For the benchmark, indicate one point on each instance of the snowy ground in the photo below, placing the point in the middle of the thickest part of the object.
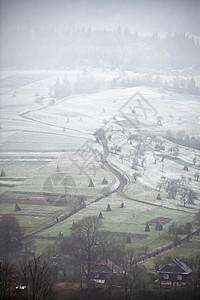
(38, 138)
(65, 126)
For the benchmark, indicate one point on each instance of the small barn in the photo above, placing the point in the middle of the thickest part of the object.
(175, 273)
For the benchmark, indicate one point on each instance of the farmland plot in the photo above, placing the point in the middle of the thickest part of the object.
(124, 221)
(31, 216)
(41, 138)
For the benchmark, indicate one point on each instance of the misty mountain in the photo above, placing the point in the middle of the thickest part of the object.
(139, 15)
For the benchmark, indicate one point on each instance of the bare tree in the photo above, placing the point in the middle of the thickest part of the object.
(160, 185)
(171, 187)
(197, 175)
(160, 262)
(36, 275)
(194, 278)
(7, 279)
(110, 247)
(135, 176)
(133, 276)
(187, 229)
(174, 151)
(188, 195)
(175, 230)
(197, 218)
(86, 237)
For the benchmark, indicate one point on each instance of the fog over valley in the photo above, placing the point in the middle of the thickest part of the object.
(99, 149)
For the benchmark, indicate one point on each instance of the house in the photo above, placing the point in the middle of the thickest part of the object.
(104, 270)
(175, 273)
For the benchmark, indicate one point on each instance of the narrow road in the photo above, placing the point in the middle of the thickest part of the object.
(25, 116)
(124, 181)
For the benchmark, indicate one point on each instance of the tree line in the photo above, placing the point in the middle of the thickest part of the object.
(86, 83)
(48, 48)
(184, 139)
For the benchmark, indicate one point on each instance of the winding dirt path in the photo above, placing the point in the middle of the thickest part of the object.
(25, 116)
(123, 181)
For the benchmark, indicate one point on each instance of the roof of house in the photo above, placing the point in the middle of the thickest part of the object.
(107, 265)
(176, 266)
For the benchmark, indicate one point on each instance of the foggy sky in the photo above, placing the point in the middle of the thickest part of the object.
(138, 15)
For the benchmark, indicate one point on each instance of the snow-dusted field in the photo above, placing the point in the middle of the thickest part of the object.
(29, 125)
(40, 141)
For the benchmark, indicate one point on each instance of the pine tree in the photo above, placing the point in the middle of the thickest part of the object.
(127, 32)
(65, 89)
(57, 169)
(192, 88)
(57, 88)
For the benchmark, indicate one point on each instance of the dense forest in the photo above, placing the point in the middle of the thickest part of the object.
(46, 47)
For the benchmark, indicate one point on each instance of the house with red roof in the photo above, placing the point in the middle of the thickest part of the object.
(104, 270)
